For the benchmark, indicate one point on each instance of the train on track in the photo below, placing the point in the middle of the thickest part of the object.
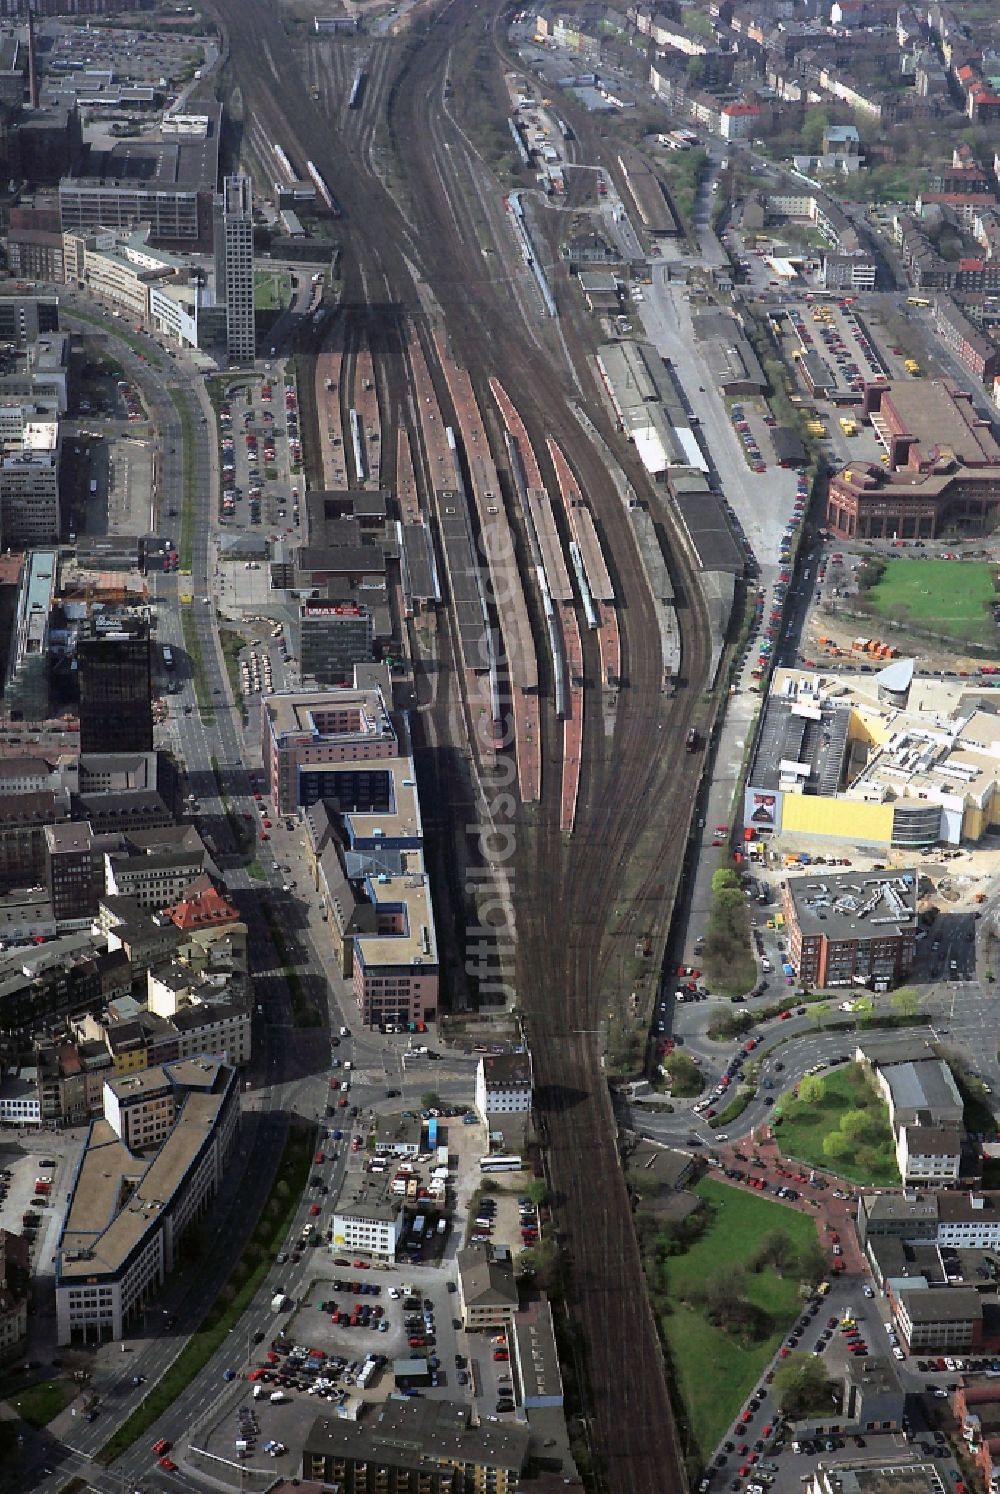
(329, 201)
(357, 89)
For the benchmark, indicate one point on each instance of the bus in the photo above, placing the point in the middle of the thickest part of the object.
(500, 1164)
(917, 301)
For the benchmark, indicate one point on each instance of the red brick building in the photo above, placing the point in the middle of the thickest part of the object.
(976, 1404)
(943, 468)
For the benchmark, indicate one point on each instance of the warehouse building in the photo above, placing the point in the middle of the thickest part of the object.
(733, 362)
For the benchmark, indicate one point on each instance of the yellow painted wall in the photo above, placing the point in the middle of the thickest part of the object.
(846, 819)
(873, 729)
(131, 1063)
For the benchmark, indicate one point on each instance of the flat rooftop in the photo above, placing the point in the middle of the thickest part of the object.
(364, 1196)
(118, 1197)
(879, 1477)
(941, 745)
(184, 163)
(327, 715)
(400, 820)
(801, 745)
(421, 1433)
(408, 899)
(929, 410)
(849, 905)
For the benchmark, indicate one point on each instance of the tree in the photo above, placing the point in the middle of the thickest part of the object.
(431, 1100)
(810, 1262)
(776, 1249)
(538, 1191)
(685, 1075)
(543, 1263)
(724, 878)
(812, 1089)
(813, 129)
(696, 71)
(905, 1002)
(722, 1295)
(856, 1125)
(837, 1146)
(802, 1385)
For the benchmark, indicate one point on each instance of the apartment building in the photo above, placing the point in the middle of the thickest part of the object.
(487, 1291)
(416, 1444)
(128, 1212)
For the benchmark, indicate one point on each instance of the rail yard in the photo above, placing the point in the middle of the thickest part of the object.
(429, 336)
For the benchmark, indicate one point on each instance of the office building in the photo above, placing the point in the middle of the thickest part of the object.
(234, 266)
(304, 733)
(874, 1476)
(416, 1445)
(114, 664)
(366, 1218)
(30, 462)
(940, 1320)
(73, 872)
(849, 928)
(26, 687)
(128, 1211)
(503, 1084)
(168, 183)
(24, 318)
(333, 637)
(943, 467)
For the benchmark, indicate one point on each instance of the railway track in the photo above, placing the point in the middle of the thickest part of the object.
(565, 899)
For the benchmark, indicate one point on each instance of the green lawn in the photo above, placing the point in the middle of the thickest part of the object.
(803, 1125)
(714, 1370)
(272, 290)
(40, 1403)
(946, 596)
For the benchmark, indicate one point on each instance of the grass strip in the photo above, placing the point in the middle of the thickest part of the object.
(189, 482)
(192, 647)
(244, 838)
(232, 646)
(743, 1097)
(304, 1012)
(248, 1274)
(141, 346)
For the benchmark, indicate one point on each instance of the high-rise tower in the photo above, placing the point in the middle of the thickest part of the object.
(234, 265)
